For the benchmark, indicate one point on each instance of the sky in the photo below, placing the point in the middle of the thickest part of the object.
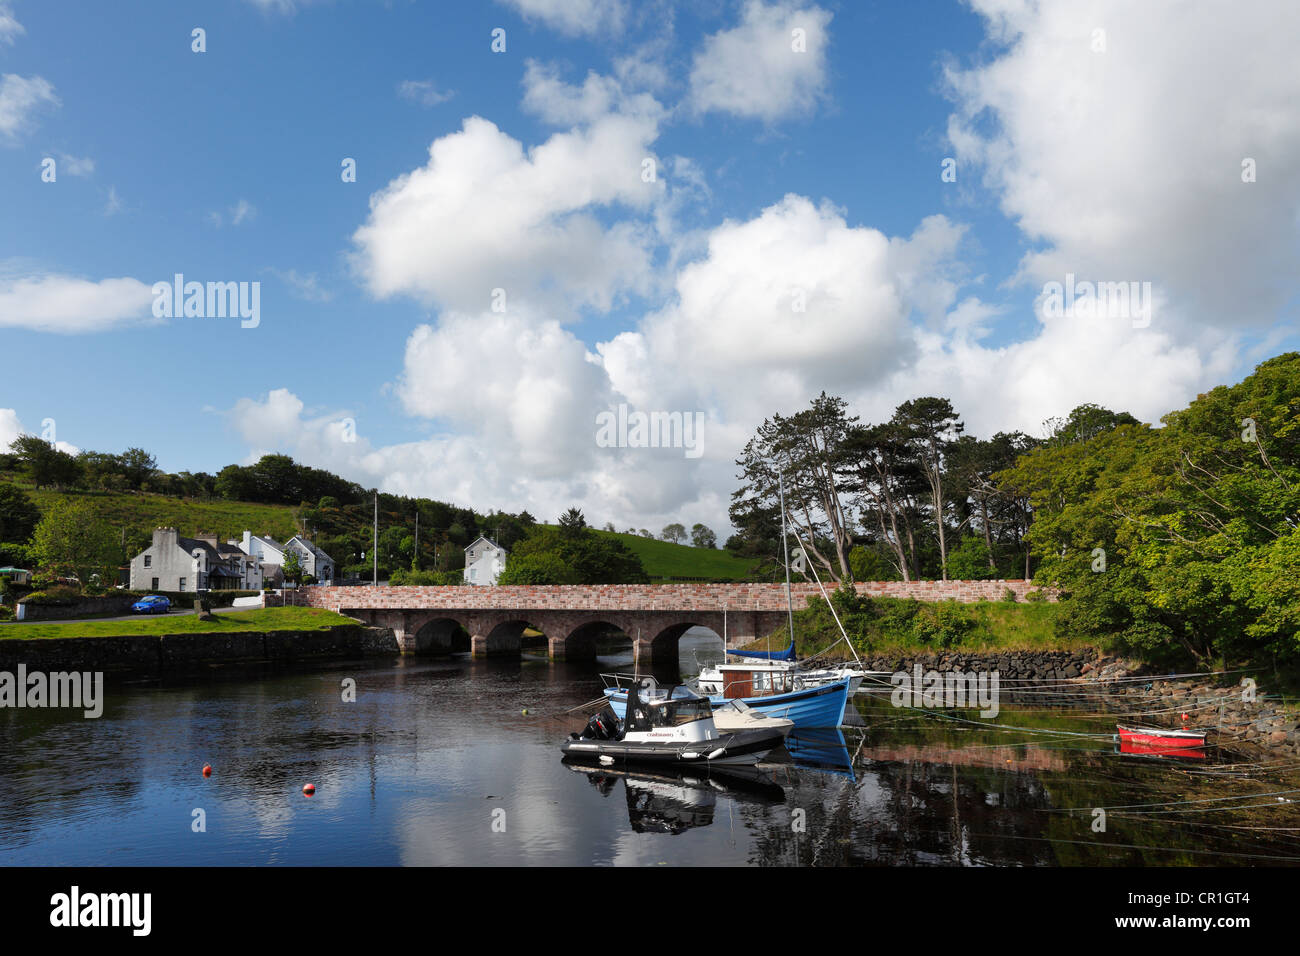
(476, 231)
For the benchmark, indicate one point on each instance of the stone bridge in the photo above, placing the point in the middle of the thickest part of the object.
(430, 620)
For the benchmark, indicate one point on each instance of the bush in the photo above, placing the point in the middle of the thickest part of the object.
(53, 597)
(1009, 595)
(942, 625)
(1035, 595)
(6, 612)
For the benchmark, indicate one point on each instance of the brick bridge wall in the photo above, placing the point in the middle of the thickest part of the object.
(653, 615)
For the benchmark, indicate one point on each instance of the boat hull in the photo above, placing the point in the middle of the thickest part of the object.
(743, 747)
(813, 707)
(1162, 739)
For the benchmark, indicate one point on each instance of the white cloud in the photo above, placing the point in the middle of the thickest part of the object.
(75, 166)
(306, 287)
(20, 99)
(753, 70)
(12, 428)
(240, 213)
(66, 304)
(1126, 164)
(113, 204)
(10, 28)
(574, 17)
(485, 214)
(423, 92)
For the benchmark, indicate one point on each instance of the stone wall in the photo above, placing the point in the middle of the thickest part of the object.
(639, 597)
(109, 605)
(177, 653)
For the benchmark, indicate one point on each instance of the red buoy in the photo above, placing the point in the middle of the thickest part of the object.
(207, 770)
(309, 788)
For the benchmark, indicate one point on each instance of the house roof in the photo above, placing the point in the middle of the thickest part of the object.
(484, 537)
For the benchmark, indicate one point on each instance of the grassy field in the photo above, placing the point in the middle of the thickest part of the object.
(263, 619)
(664, 560)
(141, 513)
(888, 625)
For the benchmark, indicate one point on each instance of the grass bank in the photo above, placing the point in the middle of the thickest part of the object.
(665, 562)
(885, 625)
(262, 619)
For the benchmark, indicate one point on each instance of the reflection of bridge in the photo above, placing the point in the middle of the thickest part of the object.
(427, 619)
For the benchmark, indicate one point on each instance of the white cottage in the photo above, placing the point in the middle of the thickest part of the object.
(311, 559)
(484, 561)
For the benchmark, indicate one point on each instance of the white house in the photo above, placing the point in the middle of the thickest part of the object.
(484, 561)
(312, 559)
(175, 563)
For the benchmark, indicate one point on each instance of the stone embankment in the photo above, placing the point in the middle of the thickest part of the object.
(181, 653)
(1228, 708)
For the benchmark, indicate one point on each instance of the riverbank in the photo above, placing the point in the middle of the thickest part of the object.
(179, 645)
(1230, 710)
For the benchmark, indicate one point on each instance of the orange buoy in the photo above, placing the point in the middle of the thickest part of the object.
(308, 789)
(207, 770)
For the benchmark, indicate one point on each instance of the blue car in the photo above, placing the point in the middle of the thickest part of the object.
(153, 604)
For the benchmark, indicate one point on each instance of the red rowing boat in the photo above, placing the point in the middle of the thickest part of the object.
(1164, 739)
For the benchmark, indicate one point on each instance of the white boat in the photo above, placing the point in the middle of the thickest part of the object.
(671, 725)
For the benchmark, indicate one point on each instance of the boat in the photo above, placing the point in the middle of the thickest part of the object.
(1131, 749)
(672, 725)
(767, 689)
(713, 679)
(1160, 738)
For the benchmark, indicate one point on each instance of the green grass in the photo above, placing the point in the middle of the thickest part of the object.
(141, 513)
(889, 625)
(664, 560)
(262, 619)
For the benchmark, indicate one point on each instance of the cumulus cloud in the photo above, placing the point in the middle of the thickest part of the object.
(67, 304)
(574, 17)
(486, 214)
(1120, 152)
(754, 69)
(21, 98)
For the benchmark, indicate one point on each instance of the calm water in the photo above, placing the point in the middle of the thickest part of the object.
(417, 770)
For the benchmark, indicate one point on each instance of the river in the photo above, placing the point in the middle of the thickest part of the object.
(434, 763)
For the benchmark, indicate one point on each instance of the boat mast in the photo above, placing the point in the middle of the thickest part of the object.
(785, 551)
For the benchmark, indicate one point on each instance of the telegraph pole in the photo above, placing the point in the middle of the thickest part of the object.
(375, 553)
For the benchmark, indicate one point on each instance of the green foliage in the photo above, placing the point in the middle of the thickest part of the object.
(71, 539)
(593, 557)
(702, 536)
(1196, 522)
(543, 568)
(969, 561)
(869, 563)
(18, 514)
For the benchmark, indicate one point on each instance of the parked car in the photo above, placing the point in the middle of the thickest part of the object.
(153, 604)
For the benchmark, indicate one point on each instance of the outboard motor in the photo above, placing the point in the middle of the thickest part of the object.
(602, 726)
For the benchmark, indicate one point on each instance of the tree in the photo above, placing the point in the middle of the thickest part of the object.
(18, 515)
(71, 540)
(572, 523)
(594, 558)
(703, 537)
(44, 464)
(674, 532)
(538, 569)
(292, 567)
(806, 451)
(930, 426)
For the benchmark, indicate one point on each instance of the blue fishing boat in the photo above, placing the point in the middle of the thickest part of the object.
(765, 690)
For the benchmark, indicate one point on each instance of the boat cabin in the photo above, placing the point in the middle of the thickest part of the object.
(663, 713)
(756, 679)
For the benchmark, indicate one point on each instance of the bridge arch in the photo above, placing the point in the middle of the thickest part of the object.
(580, 643)
(441, 636)
(504, 637)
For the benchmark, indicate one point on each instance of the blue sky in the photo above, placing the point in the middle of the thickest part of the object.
(776, 170)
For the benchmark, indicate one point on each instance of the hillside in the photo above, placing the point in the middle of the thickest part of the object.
(139, 513)
(665, 561)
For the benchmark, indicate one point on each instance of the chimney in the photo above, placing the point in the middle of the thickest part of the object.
(164, 537)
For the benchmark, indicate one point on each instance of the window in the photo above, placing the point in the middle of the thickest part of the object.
(182, 585)
(148, 560)
(154, 586)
